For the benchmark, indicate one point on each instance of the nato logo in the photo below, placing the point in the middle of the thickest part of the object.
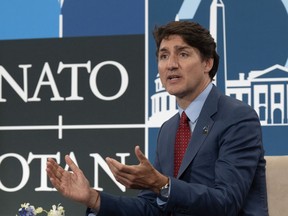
(251, 39)
(31, 19)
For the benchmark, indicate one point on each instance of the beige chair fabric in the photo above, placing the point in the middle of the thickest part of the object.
(277, 185)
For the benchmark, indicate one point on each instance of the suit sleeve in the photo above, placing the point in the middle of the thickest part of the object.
(143, 205)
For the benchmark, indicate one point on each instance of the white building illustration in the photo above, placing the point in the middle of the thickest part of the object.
(163, 105)
(218, 32)
(265, 90)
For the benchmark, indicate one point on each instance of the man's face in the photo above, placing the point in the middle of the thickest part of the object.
(182, 71)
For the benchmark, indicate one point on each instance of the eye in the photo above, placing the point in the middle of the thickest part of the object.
(163, 56)
(183, 54)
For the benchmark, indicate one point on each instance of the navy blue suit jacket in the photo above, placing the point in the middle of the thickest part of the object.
(222, 173)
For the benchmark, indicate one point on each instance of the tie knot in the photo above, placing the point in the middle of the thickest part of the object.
(184, 119)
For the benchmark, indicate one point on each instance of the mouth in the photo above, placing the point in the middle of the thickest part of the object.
(173, 77)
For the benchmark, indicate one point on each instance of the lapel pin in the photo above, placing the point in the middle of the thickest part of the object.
(205, 130)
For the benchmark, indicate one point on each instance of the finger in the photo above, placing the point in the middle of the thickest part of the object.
(53, 169)
(51, 164)
(116, 173)
(130, 184)
(122, 177)
(110, 165)
(117, 166)
(56, 183)
(124, 181)
(119, 170)
(54, 172)
(72, 165)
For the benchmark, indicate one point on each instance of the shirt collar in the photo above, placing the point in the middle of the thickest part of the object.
(195, 107)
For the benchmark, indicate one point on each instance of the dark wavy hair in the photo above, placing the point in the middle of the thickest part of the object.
(194, 35)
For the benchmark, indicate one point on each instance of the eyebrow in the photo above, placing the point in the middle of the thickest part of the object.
(178, 48)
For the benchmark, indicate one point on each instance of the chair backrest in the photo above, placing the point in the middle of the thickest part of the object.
(277, 185)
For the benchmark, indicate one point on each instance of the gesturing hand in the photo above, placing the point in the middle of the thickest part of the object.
(73, 185)
(141, 176)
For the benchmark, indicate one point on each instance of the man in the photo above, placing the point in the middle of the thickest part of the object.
(223, 169)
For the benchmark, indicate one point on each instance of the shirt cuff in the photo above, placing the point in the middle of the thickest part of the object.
(91, 212)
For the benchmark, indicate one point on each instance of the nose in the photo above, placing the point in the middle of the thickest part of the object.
(172, 63)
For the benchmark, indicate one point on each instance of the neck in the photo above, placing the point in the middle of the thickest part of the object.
(185, 101)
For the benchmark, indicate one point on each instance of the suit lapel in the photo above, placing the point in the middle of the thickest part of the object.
(167, 152)
(202, 129)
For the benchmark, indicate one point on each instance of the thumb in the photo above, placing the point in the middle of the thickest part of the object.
(139, 154)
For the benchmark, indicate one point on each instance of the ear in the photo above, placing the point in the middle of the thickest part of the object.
(208, 64)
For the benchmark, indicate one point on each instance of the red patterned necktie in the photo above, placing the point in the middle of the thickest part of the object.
(183, 136)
